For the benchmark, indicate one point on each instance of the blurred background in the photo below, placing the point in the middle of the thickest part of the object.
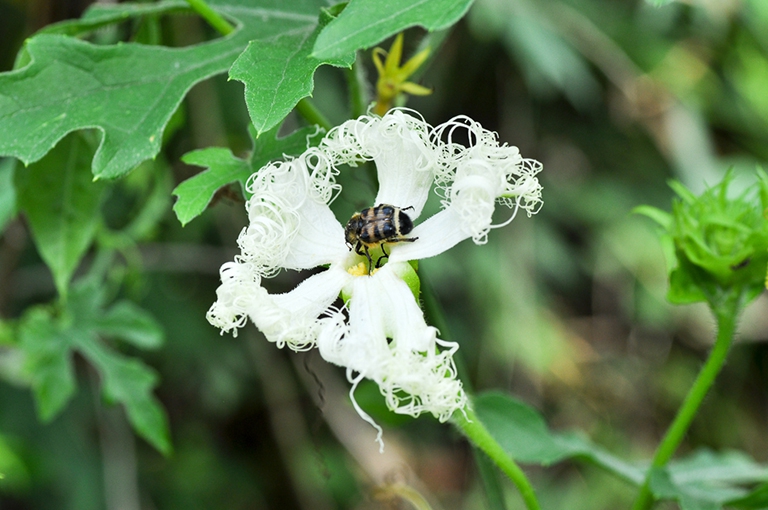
(565, 310)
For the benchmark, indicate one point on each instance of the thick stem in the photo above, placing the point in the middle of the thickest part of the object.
(726, 313)
(479, 436)
(213, 18)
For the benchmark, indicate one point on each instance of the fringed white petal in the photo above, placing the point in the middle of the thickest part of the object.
(294, 318)
(291, 319)
(400, 145)
(291, 225)
(386, 340)
(474, 178)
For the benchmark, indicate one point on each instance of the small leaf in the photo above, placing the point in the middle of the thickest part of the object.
(132, 324)
(224, 168)
(130, 382)
(61, 203)
(278, 72)
(48, 361)
(364, 23)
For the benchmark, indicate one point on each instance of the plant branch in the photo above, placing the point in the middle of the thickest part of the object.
(213, 18)
(311, 114)
(726, 314)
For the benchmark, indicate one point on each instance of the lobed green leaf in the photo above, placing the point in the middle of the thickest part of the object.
(364, 23)
(128, 91)
(278, 72)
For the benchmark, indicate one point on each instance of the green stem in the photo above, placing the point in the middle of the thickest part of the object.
(213, 18)
(358, 98)
(311, 114)
(726, 314)
(479, 436)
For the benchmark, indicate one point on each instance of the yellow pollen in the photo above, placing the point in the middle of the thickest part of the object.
(361, 269)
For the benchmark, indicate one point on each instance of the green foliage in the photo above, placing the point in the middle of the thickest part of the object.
(222, 167)
(61, 203)
(96, 98)
(278, 72)
(364, 23)
(703, 481)
(49, 337)
(129, 91)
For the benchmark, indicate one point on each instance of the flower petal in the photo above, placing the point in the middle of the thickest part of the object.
(400, 145)
(405, 161)
(291, 225)
(437, 234)
(388, 341)
(291, 319)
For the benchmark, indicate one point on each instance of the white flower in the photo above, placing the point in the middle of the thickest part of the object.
(380, 333)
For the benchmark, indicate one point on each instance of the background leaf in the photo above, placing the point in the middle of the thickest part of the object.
(61, 202)
(364, 23)
(222, 167)
(48, 361)
(523, 433)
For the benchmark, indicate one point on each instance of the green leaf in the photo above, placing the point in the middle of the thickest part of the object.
(663, 218)
(130, 382)
(48, 341)
(129, 91)
(523, 433)
(103, 14)
(224, 168)
(61, 203)
(7, 192)
(364, 23)
(663, 487)
(758, 498)
(132, 324)
(48, 361)
(278, 72)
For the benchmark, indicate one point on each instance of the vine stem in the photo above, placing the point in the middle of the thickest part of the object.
(726, 313)
(471, 426)
(213, 18)
(311, 114)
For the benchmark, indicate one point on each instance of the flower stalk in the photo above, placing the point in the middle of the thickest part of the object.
(471, 426)
(726, 314)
